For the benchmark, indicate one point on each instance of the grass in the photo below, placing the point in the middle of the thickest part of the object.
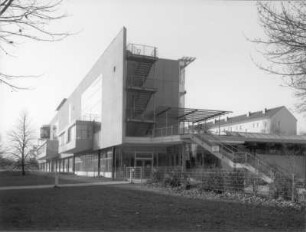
(128, 208)
(14, 178)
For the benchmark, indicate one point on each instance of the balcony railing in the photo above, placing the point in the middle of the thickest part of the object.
(139, 115)
(139, 82)
(142, 50)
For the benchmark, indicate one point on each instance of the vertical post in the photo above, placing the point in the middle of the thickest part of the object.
(154, 105)
(56, 177)
(73, 164)
(141, 172)
(99, 160)
(183, 152)
(293, 188)
(219, 126)
(166, 121)
(114, 163)
(131, 170)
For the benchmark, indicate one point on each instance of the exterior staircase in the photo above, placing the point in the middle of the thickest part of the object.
(234, 158)
(140, 89)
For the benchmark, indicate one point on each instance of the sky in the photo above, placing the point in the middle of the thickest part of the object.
(223, 76)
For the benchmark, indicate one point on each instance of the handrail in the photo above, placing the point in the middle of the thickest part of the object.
(143, 50)
(140, 81)
(246, 158)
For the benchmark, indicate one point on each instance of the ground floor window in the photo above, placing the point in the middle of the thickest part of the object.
(106, 163)
(87, 164)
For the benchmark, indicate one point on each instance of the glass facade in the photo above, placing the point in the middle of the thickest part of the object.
(87, 165)
(91, 101)
(106, 163)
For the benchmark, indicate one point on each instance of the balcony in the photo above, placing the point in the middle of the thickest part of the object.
(48, 150)
(139, 51)
(77, 138)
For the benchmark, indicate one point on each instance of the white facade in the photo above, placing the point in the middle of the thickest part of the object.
(280, 122)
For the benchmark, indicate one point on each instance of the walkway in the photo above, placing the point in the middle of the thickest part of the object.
(62, 185)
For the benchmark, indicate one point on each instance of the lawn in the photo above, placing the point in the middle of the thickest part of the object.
(127, 207)
(14, 178)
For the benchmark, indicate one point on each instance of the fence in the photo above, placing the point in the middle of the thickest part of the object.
(144, 50)
(236, 181)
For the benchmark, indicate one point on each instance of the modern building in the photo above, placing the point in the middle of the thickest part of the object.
(277, 120)
(129, 113)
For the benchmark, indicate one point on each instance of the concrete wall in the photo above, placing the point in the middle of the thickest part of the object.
(283, 123)
(111, 66)
(167, 83)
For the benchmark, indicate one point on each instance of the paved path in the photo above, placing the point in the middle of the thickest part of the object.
(62, 185)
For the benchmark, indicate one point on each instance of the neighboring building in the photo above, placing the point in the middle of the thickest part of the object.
(277, 120)
(128, 113)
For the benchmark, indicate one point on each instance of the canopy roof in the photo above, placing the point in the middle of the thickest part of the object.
(188, 114)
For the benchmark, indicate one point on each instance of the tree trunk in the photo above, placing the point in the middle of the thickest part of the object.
(22, 165)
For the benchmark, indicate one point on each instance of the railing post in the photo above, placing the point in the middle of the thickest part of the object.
(293, 188)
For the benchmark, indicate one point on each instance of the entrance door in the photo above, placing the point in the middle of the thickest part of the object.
(143, 168)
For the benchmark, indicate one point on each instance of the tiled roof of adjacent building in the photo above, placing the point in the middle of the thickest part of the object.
(250, 116)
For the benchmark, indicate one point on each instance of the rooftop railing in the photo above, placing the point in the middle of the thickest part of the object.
(142, 50)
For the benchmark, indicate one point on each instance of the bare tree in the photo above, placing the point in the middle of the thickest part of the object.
(21, 142)
(30, 19)
(284, 24)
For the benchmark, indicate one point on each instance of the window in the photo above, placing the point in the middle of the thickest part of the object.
(91, 101)
(62, 139)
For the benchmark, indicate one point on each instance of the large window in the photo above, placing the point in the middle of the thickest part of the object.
(87, 165)
(91, 101)
(106, 163)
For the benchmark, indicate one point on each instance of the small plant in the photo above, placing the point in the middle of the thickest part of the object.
(172, 179)
(214, 181)
(282, 187)
(234, 181)
(157, 176)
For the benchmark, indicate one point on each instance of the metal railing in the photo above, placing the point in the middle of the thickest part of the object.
(138, 114)
(137, 173)
(142, 50)
(137, 81)
(245, 158)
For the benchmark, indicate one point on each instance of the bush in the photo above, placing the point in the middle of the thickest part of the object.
(157, 176)
(234, 181)
(282, 188)
(172, 179)
(213, 182)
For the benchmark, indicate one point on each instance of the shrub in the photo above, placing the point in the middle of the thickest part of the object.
(172, 179)
(234, 181)
(282, 188)
(213, 182)
(157, 176)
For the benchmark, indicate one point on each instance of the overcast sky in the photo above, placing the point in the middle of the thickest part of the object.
(223, 76)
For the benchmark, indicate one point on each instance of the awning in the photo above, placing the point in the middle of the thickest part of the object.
(188, 114)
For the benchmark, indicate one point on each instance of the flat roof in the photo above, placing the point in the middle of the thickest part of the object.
(189, 114)
(264, 138)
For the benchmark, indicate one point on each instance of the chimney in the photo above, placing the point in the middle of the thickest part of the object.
(248, 114)
(264, 111)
